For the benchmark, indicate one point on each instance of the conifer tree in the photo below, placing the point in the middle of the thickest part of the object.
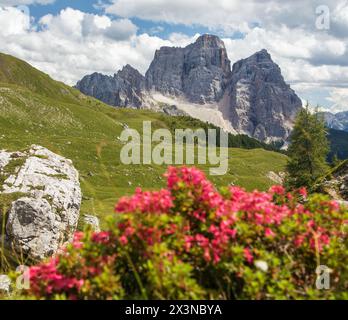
(308, 150)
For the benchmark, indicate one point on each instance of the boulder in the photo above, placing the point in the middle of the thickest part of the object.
(45, 200)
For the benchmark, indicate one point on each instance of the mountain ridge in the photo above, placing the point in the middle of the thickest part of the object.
(198, 79)
(337, 121)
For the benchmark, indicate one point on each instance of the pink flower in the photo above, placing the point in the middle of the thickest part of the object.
(248, 255)
(269, 233)
(146, 202)
(280, 190)
(303, 192)
(101, 237)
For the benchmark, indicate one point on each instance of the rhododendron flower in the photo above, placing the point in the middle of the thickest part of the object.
(280, 190)
(269, 233)
(303, 192)
(101, 237)
(192, 224)
(145, 202)
(248, 255)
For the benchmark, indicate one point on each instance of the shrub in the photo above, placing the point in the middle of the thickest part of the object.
(190, 241)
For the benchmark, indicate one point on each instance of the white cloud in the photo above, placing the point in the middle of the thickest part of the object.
(228, 15)
(73, 43)
(13, 22)
(24, 2)
(339, 98)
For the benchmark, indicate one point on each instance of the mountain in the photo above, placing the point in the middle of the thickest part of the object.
(260, 103)
(124, 89)
(251, 98)
(338, 121)
(35, 109)
(198, 72)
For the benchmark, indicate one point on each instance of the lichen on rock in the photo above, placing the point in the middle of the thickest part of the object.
(45, 206)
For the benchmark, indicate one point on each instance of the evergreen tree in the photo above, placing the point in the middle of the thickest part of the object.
(308, 150)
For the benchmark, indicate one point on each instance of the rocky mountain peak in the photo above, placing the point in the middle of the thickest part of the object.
(251, 98)
(259, 65)
(198, 72)
(209, 41)
(124, 89)
(129, 73)
(261, 103)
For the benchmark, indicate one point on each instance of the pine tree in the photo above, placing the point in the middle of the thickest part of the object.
(308, 150)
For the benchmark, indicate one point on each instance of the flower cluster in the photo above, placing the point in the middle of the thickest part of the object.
(146, 202)
(46, 280)
(194, 241)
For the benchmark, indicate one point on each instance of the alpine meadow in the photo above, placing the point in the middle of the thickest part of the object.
(189, 152)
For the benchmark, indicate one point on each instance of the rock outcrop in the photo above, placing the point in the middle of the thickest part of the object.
(198, 72)
(260, 103)
(124, 89)
(45, 200)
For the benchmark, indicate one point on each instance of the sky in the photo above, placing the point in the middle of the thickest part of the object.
(308, 39)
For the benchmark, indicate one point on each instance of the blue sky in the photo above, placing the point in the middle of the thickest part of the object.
(145, 26)
(69, 39)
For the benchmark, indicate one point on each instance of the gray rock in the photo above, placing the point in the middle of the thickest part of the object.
(199, 72)
(261, 104)
(92, 221)
(5, 284)
(124, 89)
(47, 200)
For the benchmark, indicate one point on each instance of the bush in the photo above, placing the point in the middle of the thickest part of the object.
(190, 241)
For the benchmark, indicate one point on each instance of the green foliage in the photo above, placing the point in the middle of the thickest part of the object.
(308, 150)
(234, 141)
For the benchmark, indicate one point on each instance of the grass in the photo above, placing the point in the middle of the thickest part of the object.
(34, 109)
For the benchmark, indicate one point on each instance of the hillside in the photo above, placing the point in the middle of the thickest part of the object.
(339, 144)
(36, 109)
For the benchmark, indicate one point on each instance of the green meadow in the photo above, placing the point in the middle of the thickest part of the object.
(34, 109)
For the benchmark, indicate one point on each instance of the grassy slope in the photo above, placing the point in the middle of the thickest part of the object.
(36, 109)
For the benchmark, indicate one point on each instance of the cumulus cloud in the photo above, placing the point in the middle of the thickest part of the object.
(228, 15)
(24, 2)
(72, 43)
(339, 98)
